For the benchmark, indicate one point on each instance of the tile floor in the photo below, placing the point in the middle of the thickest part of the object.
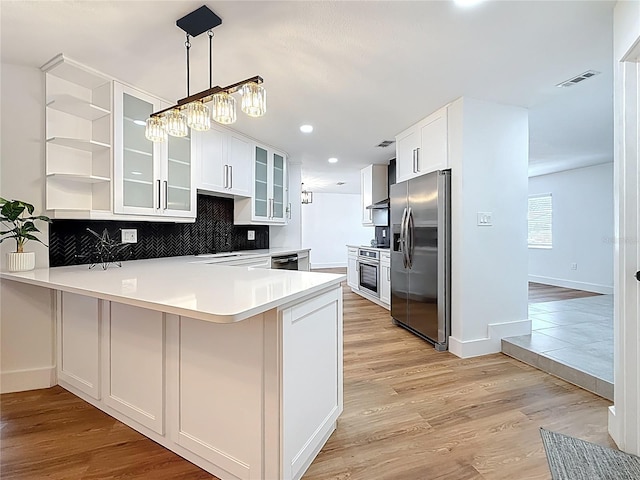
(571, 339)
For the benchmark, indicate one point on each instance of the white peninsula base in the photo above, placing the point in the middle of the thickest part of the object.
(255, 399)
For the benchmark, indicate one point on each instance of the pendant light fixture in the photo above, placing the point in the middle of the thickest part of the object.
(191, 111)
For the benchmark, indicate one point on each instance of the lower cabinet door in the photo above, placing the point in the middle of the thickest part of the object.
(385, 284)
(79, 342)
(133, 364)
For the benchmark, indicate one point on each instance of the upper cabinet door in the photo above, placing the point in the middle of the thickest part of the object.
(423, 147)
(261, 192)
(407, 144)
(136, 159)
(278, 210)
(179, 192)
(239, 158)
(211, 148)
(433, 153)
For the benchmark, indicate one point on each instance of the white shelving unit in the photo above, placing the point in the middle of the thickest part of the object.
(79, 140)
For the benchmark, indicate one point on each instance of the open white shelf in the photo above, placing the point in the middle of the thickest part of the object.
(86, 145)
(80, 214)
(72, 71)
(78, 178)
(78, 107)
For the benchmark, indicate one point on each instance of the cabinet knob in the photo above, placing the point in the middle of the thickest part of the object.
(638, 276)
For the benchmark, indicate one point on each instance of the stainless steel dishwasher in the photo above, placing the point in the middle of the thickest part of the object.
(285, 262)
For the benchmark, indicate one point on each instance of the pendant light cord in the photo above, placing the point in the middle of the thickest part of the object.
(210, 33)
(187, 44)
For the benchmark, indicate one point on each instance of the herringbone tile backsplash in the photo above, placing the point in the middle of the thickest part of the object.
(213, 231)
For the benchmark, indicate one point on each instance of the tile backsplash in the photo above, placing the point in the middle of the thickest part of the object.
(213, 231)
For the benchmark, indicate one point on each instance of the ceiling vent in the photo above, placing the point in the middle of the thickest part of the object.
(385, 143)
(580, 78)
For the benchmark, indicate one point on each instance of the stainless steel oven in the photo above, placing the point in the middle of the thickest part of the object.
(369, 271)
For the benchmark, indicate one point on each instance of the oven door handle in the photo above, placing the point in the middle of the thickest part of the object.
(371, 264)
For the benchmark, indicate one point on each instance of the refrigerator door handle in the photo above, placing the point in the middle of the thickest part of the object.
(403, 238)
(409, 236)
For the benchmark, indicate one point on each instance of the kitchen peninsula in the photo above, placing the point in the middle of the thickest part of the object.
(237, 369)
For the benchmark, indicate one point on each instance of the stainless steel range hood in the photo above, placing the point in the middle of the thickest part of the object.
(380, 205)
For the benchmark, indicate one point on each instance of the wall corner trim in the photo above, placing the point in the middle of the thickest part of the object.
(493, 342)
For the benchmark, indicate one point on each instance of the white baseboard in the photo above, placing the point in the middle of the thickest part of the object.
(372, 299)
(31, 379)
(491, 344)
(328, 265)
(560, 282)
(614, 428)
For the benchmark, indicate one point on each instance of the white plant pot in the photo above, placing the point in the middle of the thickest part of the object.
(21, 262)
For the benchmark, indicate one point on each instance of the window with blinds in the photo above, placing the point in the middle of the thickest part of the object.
(540, 216)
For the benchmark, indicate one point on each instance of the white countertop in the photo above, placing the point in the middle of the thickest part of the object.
(271, 252)
(381, 249)
(189, 286)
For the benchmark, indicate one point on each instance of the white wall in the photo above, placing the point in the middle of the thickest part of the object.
(290, 235)
(488, 151)
(26, 322)
(582, 230)
(329, 224)
(22, 147)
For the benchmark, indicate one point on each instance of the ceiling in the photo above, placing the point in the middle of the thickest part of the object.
(359, 72)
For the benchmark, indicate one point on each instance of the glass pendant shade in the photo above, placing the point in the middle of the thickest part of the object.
(156, 129)
(254, 99)
(198, 116)
(224, 108)
(177, 123)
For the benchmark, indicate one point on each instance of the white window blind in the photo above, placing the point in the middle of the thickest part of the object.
(540, 220)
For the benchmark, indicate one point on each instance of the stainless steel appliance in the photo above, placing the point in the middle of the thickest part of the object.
(285, 262)
(421, 256)
(368, 267)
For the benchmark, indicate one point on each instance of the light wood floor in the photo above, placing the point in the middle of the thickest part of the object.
(539, 293)
(410, 413)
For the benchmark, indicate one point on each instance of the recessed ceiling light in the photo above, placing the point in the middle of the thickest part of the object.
(467, 3)
(140, 122)
(306, 128)
(333, 160)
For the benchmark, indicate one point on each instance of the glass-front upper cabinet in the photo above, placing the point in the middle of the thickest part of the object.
(261, 193)
(179, 172)
(270, 187)
(278, 209)
(149, 178)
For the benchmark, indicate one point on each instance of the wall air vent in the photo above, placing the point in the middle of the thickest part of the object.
(580, 78)
(385, 143)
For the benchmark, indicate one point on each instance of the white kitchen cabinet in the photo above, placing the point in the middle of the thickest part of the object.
(154, 179)
(352, 267)
(225, 160)
(78, 332)
(373, 188)
(422, 148)
(268, 202)
(78, 140)
(385, 278)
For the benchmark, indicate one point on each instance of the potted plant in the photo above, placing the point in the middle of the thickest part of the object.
(21, 228)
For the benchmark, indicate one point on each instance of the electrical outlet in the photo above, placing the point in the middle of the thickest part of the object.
(251, 234)
(574, 266)
(384, 233)
(485, 219)
(129, 235)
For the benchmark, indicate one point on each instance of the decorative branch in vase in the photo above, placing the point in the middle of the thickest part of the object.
(20, 228)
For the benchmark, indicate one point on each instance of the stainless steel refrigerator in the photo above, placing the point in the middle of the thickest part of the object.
(421, 256)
